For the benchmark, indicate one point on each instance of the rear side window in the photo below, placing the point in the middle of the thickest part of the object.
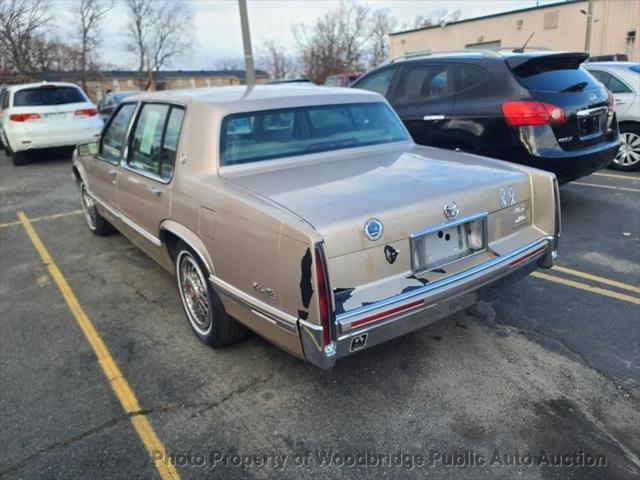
(422, 83)
(112, 139)
(466, 76)
(47, 96)
(613, 83)
(154, 141)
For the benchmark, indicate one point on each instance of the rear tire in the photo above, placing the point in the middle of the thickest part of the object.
(96, 222)
(19, 158)
(628, 157)
(202, 306)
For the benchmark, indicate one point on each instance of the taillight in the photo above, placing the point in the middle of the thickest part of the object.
(324, 300)
(24, 117)
(86, 112)
(520, 114)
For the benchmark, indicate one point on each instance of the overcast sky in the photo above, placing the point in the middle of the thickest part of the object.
(217, 23)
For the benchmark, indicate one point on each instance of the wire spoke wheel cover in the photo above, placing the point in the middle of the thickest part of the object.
(194, 293)
(89, 208)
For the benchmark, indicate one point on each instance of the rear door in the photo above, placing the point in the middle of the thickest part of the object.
(559, 80)
(423, 98)
(144, 185)
(622, 92)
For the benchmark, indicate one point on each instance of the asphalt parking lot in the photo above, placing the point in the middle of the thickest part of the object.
(548, 370)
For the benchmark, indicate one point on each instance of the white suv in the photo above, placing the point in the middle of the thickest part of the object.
(45, 115)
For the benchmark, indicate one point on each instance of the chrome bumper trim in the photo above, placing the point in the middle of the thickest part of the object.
(345, 319)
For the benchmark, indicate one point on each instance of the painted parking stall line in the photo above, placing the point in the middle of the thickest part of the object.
(586, 287)
(613, 175)
(597, 278)
(45, 217)
(118, 383)
(608, 187)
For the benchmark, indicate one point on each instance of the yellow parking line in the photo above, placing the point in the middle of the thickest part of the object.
(46, 217)
(612, 175)
(588, 288)
(610, 187)
(596, 278)
(117, 381)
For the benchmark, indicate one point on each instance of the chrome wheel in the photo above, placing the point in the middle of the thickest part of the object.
(89, 208)
(194, 293)
(629, 153)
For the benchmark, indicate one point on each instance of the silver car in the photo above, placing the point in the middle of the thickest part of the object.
(623, 80)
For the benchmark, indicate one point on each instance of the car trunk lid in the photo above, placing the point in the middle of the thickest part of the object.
(405, 189)
(558, 80)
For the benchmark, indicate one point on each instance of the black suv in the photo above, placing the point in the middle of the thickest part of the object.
(536, 108)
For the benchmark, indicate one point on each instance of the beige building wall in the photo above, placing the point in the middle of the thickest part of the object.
(559, 27)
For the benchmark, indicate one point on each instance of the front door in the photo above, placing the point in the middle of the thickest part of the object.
(144, 185)
(423, 98)
(103, 171)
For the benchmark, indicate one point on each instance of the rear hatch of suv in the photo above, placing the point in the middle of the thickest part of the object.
(557, 80)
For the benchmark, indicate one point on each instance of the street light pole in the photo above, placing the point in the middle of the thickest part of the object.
(587, 38)
(246, 43)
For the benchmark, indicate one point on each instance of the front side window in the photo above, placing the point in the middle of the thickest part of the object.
(112, 139)
(154, 141)
(422, 83)
(378, 82)
(256, 136)
(47, 95)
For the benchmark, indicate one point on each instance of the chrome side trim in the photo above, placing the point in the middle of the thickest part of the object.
(265, 311)
(347, 317)
(127, 221)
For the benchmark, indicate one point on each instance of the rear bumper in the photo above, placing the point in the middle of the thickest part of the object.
(570, 165)
(379, 322)
(67, 138)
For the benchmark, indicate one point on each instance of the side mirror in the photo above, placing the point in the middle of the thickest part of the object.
(88, 149)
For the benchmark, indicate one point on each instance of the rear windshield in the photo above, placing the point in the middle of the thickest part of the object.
(553, 73)
(255, 136)
(44, 96)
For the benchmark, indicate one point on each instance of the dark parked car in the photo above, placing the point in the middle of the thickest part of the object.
(534, 108)
(111, 100)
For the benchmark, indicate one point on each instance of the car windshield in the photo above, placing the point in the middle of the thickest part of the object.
(254, 136)
(47, 95)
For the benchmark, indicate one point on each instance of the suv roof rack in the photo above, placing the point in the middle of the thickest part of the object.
(487, 53)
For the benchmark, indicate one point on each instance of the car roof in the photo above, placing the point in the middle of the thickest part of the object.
(611, 64)
(261, 97)
(487, 54)
(20, 86)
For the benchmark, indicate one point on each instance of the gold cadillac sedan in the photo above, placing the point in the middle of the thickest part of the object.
(309, 216)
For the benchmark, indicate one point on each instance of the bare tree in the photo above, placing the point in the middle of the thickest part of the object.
(336, 43)
(382, 23)
(90, 15)
(158, 31)
(273, 58)
(230, 63)
(22, 22)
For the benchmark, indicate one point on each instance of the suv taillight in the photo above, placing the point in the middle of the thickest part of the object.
(324, 299)
(24, 117)
(520, 114)
(86, 112)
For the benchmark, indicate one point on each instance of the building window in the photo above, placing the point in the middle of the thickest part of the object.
(551, 20)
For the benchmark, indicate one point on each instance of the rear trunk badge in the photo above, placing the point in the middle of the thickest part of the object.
(359, 342)
(451, 210)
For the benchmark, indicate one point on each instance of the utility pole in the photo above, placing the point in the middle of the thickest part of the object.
(587, 38)
(246, 43)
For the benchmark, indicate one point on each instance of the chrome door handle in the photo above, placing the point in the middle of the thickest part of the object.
(155, 191)
(432, 118)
